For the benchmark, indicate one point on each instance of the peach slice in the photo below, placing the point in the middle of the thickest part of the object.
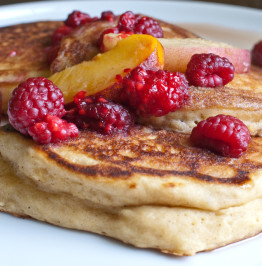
(110, 40)
(104, 71)
(177, 52)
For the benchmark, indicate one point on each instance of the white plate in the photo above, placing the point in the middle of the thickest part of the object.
(31, 243)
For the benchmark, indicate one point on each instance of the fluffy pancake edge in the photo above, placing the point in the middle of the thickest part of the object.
(97, 168)
(173, 230)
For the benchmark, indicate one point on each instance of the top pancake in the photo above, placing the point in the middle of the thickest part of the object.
(146, 167)
(22, 54)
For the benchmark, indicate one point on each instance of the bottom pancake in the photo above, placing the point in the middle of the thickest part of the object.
(174, 230)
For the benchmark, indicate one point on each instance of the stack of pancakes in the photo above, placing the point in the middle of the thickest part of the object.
(150, 188)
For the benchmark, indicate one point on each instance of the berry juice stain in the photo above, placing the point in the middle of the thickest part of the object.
(12, 53)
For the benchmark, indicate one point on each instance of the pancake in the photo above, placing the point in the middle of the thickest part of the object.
(104, 193)
(146, 167)
(82, 44)
(242, 98)
(23, 55)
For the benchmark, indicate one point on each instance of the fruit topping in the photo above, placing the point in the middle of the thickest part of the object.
(224, 134)
(209, 70)
(178, 52)
(154, 93)
(108, 40)
(99, 74)
(108, 16)
(98, 114)
(129, 22)
(32, 100)
(52, 130)
(147, 25)
(257, 54)
(77, 18)
(101, 37)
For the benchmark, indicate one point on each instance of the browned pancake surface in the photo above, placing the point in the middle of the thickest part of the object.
(23, 49)
(23, 54)
(155, 153)
(143, 167)
(244, 92)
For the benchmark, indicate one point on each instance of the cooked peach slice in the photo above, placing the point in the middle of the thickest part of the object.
(110, 40)
(105, 70)
(178, 52)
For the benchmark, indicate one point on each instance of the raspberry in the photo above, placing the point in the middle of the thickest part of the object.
(77, 18)
(129, 22)
(60, 33)
(154, 92)
(223, 134)
(32, 100)
(126, 21)
(257, 54)
(146, 25)
(108, 16)
(98, 114)
(209, 70)
(52, 130)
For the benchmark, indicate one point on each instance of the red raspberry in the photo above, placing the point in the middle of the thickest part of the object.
(32, 100)
(209, 70)
(52, 130)
(60, 33)
(257, 54)
(77, 18)
(98, 114)
(147, 25)
(154, 92)
(223, 134)
(108, 16)
(126, 21)
(129, 22)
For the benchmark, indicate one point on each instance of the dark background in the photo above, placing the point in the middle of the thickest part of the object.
(247, 3)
